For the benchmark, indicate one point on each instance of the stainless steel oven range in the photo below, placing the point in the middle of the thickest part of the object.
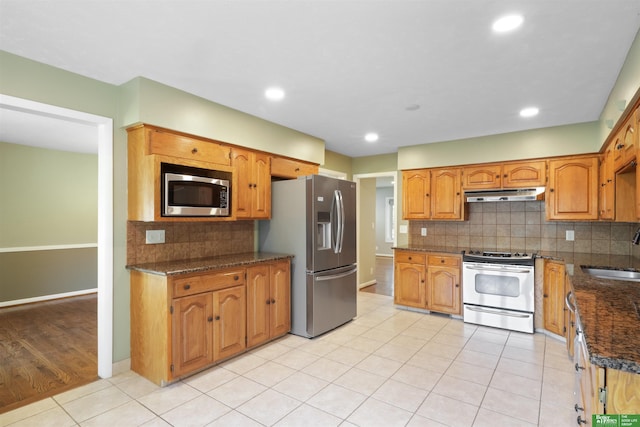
(498, 289)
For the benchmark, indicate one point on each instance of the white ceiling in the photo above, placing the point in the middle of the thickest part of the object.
(348, 67)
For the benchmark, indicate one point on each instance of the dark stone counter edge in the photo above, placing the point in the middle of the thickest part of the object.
(173, 268)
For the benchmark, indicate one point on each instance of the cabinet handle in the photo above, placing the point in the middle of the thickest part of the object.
(580, 420)
(441, 261)
(545, 295)
(619, 146)
(578, 367)
(217, 317)
(235, 277)
(187, 286)
(268, 301)
(210, 319)
(297, 169)
(577, 408)
(194, 150)
(551, 190)
(273, 301)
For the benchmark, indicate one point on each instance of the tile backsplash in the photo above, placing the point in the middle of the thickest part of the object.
(188, 240)
(518, 226)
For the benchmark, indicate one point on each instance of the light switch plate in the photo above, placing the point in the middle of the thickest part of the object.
(154, 237)
(570, 235)
(403, 229)
(423, 231)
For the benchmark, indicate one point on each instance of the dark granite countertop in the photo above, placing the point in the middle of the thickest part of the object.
(171, 268)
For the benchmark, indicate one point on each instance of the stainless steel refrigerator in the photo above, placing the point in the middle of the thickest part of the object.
(314, 219)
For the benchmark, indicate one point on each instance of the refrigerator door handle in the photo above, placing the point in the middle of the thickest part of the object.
(340, 237)
(336, 276)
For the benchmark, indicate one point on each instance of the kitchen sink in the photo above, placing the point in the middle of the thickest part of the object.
(612, 273)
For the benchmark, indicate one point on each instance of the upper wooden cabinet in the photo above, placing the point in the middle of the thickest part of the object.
(625, 143)
(253, 196)
(505, 175)
(606, 191)
(289, 168)
(186, 147)
(148, 147)
(432, 194)
(572, 193)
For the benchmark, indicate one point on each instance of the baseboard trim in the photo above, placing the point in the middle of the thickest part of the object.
(47, 297)
(365, 284)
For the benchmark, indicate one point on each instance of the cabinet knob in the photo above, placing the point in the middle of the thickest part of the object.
(545, 295)
(410, 258)
(551, 190)
(578, 367)
(577, 408)
(457, 285)
(427, 195)
(273, 301)
(194, 150)
(297, 169)
(620, 146)
(187, 286)
(235, 277)
(580, 420)
(210, 319)
(217, 317)
(504, 176)
(268, 301)
(441, 261)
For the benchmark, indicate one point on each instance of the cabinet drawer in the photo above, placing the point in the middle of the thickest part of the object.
(207, 282)
(168, 144)
(287, 168)
(448, 261)
(410, 257)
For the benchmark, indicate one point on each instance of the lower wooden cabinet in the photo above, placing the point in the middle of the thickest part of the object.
(185, 323)
(553, 293)
(268, 302)
(429, 281)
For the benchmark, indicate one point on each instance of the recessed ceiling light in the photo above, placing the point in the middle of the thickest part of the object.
(371, 137)
(507, 23)
(274, 93)
(529, 112)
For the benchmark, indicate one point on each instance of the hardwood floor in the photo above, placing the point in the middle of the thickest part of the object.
(46, 348)
(384, 277)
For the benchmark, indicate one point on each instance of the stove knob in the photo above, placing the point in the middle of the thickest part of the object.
(516, 254)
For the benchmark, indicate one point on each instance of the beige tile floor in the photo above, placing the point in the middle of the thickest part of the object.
(388, 367)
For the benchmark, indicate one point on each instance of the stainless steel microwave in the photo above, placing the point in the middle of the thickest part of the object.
(195, 192)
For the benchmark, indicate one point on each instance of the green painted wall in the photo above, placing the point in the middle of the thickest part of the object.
(146, 101)
(337, 162)
(49, 197)
(366, 237)
(374, 164)
(546, 142)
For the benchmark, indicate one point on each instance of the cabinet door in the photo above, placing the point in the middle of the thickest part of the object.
(524, 174)
(258, 304)
(553, 297)
(416, 194)
(280, 307)
(253, 198)
(229, 307)
(625, 143)
(482, 176)
(572, 193)
(192, 326)
(446, 200)
(261, 176)
(443, 284)
(410, 287)
(291, 169)
(607, 185)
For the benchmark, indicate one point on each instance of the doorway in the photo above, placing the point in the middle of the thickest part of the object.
(377, 229)
(104, 135)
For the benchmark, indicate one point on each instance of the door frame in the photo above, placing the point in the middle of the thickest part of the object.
(104, 131)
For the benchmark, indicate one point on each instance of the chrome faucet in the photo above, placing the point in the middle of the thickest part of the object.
(636, 237)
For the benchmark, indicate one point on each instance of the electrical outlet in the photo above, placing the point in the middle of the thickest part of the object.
(154, 237)
(403, 229)
(570, 235)
(423, 231)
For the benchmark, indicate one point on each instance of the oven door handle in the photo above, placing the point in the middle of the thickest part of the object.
(568, 302)
(500, 312)
(503, 270)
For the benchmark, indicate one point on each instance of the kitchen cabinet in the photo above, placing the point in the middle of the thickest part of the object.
(147, 148)
(282, 167)
(268, 302)
(625, 143)
(607, 184)
(409, 279)
(432, 194)
(553, 292)
(184, 323)
(443, 283)
(253, 196)
(430, 282)
(521, 174)
(572, 193)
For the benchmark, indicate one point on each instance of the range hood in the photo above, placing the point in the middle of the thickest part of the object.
(509, 195)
